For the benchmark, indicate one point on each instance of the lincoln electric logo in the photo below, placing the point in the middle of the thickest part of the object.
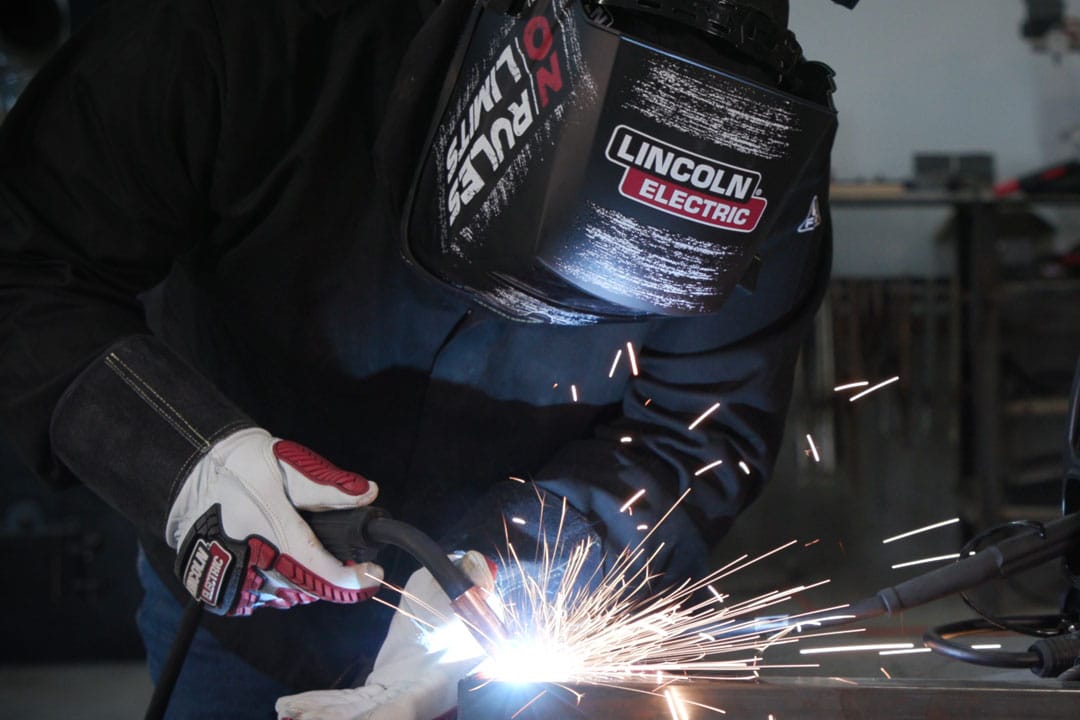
(685, 184)
(206, 570)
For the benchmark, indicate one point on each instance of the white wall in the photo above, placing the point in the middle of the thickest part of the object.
(926, 76)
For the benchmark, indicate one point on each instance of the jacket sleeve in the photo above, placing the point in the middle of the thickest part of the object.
(705, 416)
(105, 162)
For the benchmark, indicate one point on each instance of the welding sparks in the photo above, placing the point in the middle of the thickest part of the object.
(924, 561)
(885, 672)
(626, 439)
(633, 499)
(632, 356)
(573, 392)
(908, 651)
(909, 533)
(710, 466)
(813, 448)
(701, 418)
(568, 621)
(856, 648)
(875, 388)
(987, 646)
(678, 712)
(642, 527)
(518, 521)
(517, 479)
(744, 467)
(615, 363)
(526, 705)
(850, 386)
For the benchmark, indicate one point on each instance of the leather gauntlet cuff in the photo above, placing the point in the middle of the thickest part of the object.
(133, 424)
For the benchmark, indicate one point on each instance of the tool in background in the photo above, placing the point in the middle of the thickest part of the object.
(1062, 178)
(1057, 651)
(357, 535)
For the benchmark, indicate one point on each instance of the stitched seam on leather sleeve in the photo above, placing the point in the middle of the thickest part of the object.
(160, 405)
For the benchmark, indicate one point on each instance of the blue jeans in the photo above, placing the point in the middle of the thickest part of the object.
(214, 684)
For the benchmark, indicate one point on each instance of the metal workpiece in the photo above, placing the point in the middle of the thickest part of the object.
(782, 698)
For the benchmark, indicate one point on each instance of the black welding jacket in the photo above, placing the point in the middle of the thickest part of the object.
(223, 176)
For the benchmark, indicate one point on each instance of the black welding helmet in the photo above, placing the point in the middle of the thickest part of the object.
(578, 170)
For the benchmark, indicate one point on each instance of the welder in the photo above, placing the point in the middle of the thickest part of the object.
(263, 257)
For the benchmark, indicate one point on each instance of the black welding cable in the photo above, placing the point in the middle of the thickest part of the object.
(940, 640)
(170, 672)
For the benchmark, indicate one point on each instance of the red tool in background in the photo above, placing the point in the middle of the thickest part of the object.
(1063, 178)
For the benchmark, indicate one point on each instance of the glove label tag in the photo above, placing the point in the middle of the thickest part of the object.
(207, 566)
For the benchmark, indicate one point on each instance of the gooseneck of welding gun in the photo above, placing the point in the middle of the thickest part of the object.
(357, 535)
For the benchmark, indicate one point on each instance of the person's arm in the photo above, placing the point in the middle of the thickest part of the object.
(741, 360)
(107, 170)
(706, 414)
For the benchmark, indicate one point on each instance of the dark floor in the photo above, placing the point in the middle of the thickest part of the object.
(88, 691)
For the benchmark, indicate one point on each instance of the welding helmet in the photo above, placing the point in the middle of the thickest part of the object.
(616, 159)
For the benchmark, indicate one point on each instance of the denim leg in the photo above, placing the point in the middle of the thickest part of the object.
(214, 684)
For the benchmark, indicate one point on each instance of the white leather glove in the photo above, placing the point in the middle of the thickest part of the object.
(426, 652)
(243, 545)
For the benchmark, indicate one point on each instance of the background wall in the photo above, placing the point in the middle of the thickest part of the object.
(932, 76)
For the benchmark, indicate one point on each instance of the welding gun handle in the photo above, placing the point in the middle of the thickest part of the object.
(358, 534)
(345, 533)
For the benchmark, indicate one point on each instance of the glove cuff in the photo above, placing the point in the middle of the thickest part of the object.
(135, 423)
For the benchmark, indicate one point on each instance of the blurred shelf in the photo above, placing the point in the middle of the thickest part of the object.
(1012, 288)
(1037, 407)
(1010, 513)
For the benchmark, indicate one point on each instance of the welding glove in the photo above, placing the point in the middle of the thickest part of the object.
(243, 545)
(426, 652)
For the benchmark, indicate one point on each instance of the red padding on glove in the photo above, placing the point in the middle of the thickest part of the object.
(303, 578)
(318, 469)
(309, 586)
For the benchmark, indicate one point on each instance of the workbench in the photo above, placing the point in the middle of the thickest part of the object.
(774, 699)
